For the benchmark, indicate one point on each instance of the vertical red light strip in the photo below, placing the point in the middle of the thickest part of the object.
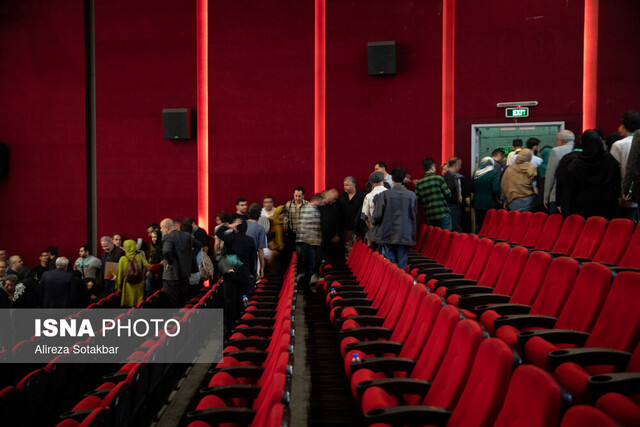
(590, 65)
(202, 31)
(319, 150)
(448, 40)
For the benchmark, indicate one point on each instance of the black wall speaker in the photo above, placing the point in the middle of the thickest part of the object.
(4, 160)
(381, 57)
(176, 123)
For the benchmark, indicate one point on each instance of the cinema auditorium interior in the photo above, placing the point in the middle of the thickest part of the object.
(339, 212)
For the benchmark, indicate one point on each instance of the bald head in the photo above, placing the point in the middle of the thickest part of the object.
(564, 137)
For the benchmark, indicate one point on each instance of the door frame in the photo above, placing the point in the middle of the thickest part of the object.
(475, 140)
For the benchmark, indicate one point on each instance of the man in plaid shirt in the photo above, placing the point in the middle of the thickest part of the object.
(308, 240)
(432, 191)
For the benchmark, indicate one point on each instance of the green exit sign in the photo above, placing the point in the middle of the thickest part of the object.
(514, 113)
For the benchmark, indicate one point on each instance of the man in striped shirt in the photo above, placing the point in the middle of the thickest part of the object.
(432, 192)
(308, 240)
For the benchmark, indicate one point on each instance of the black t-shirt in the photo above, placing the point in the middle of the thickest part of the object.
(350, 209)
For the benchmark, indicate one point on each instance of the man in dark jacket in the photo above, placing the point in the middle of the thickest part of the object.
(395, 211)
(112, 253)
(177, 250)
(57, 286)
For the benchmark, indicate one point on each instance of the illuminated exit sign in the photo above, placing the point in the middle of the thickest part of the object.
(514, 113)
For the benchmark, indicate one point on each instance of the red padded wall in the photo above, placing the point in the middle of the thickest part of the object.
(260, 100)
(507, 51)
(396, 119)
(145, 61)
(42, 119)
(618, 63)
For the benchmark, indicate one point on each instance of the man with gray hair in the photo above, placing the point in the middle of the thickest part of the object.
(177, 251)
(565, 142)
(376, 179)
(112, 254)
(350, 203)
(57, 285)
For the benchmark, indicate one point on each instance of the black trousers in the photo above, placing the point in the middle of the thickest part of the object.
(234, 285)
(176, 292)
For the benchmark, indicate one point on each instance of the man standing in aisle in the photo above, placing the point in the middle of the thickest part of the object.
(432, 192)
(309, 239)
(396, 211)
(565, 142)
(177, 253)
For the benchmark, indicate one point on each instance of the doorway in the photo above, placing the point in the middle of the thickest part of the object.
(487, 137)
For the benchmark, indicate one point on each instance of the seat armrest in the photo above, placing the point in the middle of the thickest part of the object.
(467, 290)
(256, 321)
(626, 383)
(215, 416)
(374, 347)
(345, 288)
(363, 320)
(554, 336)
(505, 309)
(474, 300)
(384, 364)
(261, 312)
(395, 386)
(350, 294)
(350, 302)
(249, 342)
(448, 283)
(78, 415)
(521, 321)
(589, 357)
(403, 415)
(445, 276)
(247, 391)
(242, 371)
(363, 333)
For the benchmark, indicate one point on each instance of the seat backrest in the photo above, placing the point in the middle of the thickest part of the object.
(586, 298)
(512, 270)
(426, 316)
(436, 346)
(404, 282)
(486, 387)
(520, 227)
(532, 276)
(431, 242)
(550, 232)
(457, 245)
(590, 237)
(618, 325)
(556, 287)
(510, 222)
(467, 254)
(499, 219)
(488, 221)
(409, 312)
(455, 367)
(422, 230)
(631, 256)
(479, 259)
(569, 233)
(615, 241)
(534, 229)
(533, 399)
(443, 245)
(494, 265)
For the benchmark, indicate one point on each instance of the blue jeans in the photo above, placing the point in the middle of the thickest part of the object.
(456, 217)
(522, 204)
(444, 222)
(397, 254)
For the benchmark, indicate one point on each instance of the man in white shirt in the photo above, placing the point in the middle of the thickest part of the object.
(377, 186)
(517, 146)
(564, 141)
(382, 167)
(620, 151)
(267, 206)
(532, 144)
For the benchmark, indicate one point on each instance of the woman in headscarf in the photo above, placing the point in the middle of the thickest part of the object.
(132, 292)
(592, 180)
(154, 269)
(484, 187)
(518, 182)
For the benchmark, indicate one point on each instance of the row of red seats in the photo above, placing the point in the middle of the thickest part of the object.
(614, 242)
(252, 383)
(442, 345)
(134, 393)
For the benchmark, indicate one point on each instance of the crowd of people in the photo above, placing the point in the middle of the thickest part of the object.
(589, 175)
